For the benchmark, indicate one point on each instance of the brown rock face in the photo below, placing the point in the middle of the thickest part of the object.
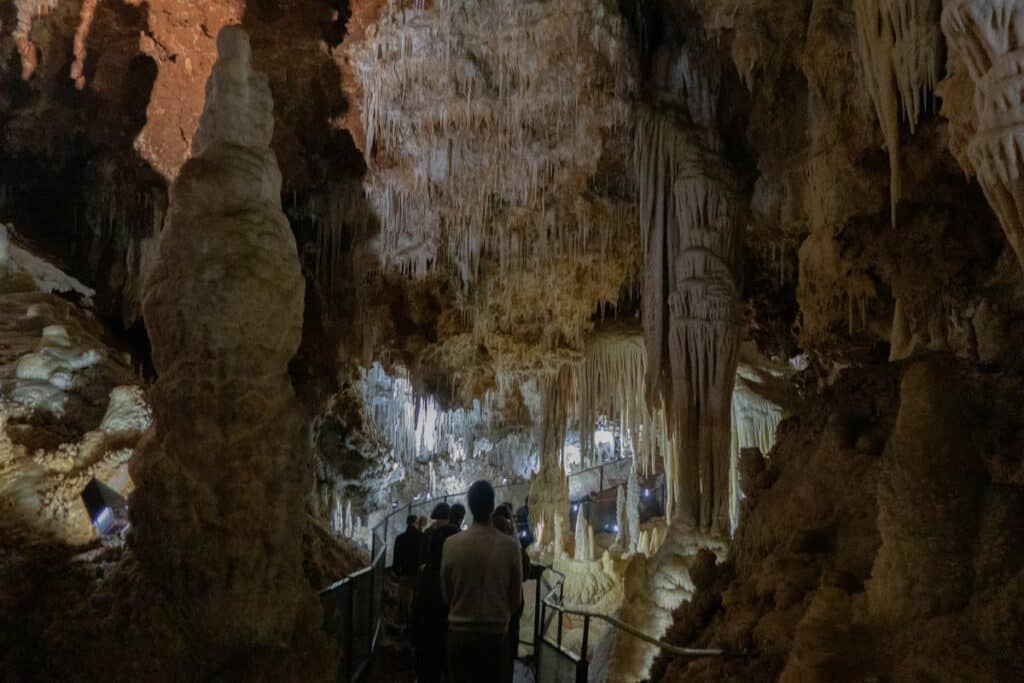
(180, 40)
(219, 509)
(928, 500)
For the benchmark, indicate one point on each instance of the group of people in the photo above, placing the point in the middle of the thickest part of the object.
(466, 585)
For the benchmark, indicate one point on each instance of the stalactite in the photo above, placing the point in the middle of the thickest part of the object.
(901, 50)
(986, 36)
(611, 384)
(27, 11)
(437, 443)
(483, 122)
(80, 49)
(584, 550)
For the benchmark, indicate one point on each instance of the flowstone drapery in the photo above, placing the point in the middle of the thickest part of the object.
(690, 213)
(691, 222)
(988, 37)
(219, 509)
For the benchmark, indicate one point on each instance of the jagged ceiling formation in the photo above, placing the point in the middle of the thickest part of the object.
(495, 138)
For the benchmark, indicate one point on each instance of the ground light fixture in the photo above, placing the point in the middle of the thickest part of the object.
(108, 509)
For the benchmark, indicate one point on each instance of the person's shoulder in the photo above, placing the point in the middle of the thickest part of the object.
(510, 543)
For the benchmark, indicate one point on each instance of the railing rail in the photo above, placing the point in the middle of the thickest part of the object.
(579, 663)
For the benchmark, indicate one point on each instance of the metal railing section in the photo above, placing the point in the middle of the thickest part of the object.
(557, 664)
(352, 606)
(352, 613)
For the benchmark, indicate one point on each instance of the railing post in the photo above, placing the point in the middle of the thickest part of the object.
(350, 654)
(371, 610)
(538, 637)
(583, 668)
(538, 613)
(600, 478)
(561, 618)
(586, 637)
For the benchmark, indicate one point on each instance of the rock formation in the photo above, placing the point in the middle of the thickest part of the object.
(984, 36)
(219, 508)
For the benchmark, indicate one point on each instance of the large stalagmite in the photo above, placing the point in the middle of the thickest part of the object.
(219, 509)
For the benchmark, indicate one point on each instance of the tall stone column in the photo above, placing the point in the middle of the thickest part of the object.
(219, 509)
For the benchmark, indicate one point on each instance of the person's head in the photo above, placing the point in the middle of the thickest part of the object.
(421, 522)
(457, 514)
(501, 512)
(503, 524)
(481, 501)
(508, 506)
(440, 512)
(411, 521)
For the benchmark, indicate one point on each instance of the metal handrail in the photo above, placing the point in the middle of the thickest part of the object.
(356, 574)
(635, 632)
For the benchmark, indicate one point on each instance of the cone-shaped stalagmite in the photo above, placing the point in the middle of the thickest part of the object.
(218, 513)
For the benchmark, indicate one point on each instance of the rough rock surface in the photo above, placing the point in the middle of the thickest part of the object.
(70, 406)
(863, 558)
(219, 508)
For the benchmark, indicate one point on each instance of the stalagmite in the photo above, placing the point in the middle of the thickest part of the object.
(219, 509)
(901, 51)
(584, 550)
(986, 36)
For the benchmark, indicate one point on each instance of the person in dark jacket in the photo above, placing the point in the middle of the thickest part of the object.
(430, 616)
(406, 558)
(439, 520)
(405, 562)
(456, 516)
(502, 521)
